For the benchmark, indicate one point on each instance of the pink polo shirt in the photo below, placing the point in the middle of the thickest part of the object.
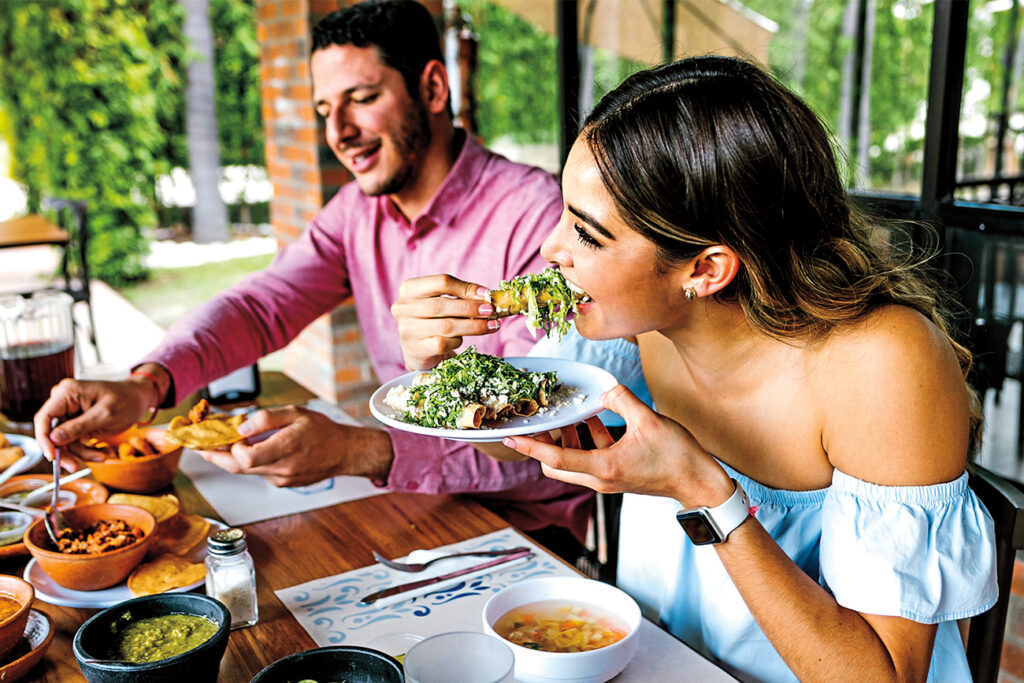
(485, 224)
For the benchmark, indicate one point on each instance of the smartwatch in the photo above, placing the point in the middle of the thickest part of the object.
(706, 526)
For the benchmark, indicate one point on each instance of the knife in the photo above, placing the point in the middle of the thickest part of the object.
(402, 588)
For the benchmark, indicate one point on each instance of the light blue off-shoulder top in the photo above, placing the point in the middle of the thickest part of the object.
(926, 553)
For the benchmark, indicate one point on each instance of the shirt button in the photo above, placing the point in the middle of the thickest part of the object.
(412, 246)
(412, 485)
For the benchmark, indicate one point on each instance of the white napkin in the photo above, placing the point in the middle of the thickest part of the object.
(437, 569)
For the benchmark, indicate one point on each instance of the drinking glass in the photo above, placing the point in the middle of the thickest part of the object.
(460, 657)
(37, 350)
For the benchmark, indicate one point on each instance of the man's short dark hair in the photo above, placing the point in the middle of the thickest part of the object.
(403, 32)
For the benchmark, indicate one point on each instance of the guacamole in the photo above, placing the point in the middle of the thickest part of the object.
(155, 638)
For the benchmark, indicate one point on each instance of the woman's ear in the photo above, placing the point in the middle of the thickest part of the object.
(713, 269)
(434, 87)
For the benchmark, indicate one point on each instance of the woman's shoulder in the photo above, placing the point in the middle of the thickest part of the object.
(895, 403)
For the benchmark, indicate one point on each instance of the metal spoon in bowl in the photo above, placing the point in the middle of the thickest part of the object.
(54, 520)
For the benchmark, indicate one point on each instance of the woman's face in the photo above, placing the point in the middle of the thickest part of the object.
(615, 265)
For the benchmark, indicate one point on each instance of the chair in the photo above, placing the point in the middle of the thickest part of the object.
(1005, 502)
(72, 215)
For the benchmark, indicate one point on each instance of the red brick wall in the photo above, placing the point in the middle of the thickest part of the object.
(329, 357)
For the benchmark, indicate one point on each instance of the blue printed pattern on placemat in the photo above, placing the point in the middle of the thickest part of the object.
(330, 611)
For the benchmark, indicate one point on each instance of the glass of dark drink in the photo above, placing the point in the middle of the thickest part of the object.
(37, 350)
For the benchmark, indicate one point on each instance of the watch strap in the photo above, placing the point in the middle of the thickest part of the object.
(733, 512)
(721, 519)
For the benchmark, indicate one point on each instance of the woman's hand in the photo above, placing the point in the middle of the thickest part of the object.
(434, 313)
(656, 456)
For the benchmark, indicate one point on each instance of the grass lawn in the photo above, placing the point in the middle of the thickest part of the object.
(169, 293)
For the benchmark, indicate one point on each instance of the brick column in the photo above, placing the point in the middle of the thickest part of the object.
(328, 357)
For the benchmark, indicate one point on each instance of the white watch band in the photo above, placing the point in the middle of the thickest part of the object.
(733, 512)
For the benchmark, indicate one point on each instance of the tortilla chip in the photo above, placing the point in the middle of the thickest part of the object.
(9, 456)
(179, 535)
(162, 507)
(164, 573)
(213, 433)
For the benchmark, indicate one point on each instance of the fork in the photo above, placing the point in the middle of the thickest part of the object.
(420, 566)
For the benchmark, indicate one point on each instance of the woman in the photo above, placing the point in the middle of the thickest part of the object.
(789, 358)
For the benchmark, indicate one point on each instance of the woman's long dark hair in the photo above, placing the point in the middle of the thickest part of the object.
(713, 150)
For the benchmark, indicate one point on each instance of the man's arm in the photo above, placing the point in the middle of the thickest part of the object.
(259, 315)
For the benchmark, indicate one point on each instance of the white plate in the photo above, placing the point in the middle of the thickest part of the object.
(589, 380)
(49, 591)
(30, 446)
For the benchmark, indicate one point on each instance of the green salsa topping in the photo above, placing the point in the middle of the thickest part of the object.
(549, 300)
(472, 377)
(155, 638)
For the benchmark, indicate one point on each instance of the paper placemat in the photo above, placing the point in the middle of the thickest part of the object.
(246, 498)
(330, 611)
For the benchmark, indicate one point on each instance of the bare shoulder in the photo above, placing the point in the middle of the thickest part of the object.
(895, 405)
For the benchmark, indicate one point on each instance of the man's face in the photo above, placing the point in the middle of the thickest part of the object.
(375, 128)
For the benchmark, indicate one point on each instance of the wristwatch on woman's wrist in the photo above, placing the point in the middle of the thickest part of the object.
(707, 526)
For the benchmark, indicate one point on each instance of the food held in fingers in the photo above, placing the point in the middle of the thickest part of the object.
(545, 298)
(204, 431)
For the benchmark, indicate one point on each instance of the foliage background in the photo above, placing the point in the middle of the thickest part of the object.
(91, 99)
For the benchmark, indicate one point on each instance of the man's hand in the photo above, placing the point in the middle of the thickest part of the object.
(434, 313)
(91, 409)
(304, 447)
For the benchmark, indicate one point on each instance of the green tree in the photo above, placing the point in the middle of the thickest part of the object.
(80, 82)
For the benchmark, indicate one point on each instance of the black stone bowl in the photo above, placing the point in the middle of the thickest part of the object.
(342, 663)
(199, 665)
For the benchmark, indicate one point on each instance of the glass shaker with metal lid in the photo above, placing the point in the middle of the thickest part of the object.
(231, 576)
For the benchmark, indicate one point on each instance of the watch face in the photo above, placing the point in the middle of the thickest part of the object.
(698, 527)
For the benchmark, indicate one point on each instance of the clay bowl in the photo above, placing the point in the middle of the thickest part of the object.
(201, 664)
(89, 572)
(140, 475)
(12, 627)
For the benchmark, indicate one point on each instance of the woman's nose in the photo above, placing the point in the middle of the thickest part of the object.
(554, 248)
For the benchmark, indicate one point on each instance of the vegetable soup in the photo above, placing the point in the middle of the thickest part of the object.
(558, 626)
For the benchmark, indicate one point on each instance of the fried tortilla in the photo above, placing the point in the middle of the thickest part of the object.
(162, 507)
(178, 535)
(166, 572)
(205, 432)
(545, 298)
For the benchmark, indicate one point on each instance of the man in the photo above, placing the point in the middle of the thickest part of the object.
(426, 198)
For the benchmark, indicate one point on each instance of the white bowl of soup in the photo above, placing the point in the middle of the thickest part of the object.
(565, 629)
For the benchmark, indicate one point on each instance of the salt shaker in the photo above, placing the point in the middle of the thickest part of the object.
(231, 576)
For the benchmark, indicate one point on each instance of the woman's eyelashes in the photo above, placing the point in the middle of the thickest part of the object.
(585, 237)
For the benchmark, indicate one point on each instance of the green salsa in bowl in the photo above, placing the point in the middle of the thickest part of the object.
(170, 636)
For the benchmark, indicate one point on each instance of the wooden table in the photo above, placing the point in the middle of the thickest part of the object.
(31, 230)
(288, 551)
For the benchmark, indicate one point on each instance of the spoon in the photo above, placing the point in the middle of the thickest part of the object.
(54, 520)
(420, 566)
(38, 495)
(35, 512)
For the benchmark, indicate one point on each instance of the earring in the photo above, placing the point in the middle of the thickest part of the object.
(690, 293)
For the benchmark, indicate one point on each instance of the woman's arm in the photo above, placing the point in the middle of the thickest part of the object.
(894, 413)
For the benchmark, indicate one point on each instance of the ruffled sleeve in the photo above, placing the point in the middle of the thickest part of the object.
(926, 553)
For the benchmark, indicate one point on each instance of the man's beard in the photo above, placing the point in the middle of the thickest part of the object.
(412, 138)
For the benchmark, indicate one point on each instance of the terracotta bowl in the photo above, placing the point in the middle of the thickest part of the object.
(13, 627)
(140, 475)
(94, 571)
